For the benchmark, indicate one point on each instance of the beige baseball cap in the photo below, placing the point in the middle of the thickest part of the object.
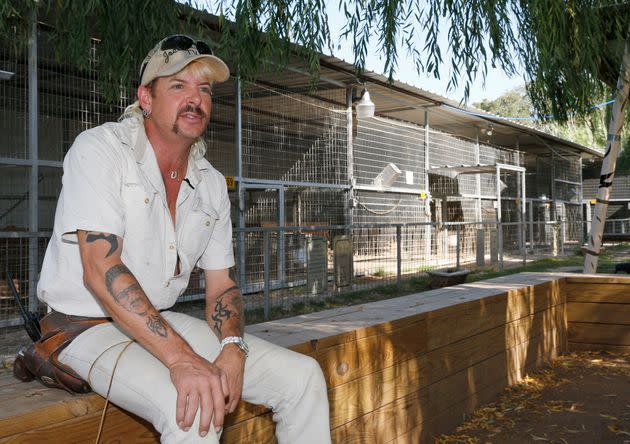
(174, 53)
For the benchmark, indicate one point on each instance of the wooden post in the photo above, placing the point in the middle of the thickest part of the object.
(613, 146)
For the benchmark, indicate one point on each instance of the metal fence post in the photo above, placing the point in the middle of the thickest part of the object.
(563, 234)
(266, 264)
(500, 242)
(458, 245)
(398, 257)
(33, 196)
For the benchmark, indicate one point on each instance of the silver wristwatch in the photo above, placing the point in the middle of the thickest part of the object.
(240, 342)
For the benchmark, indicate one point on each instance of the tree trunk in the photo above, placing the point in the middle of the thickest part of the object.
(613, 146)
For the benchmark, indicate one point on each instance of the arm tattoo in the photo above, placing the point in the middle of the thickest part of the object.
(156, 325)
(133, 299)
(114, 273)
(228, 305)
(111, 238)
(220, 314)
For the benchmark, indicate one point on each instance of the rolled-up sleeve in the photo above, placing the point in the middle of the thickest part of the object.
(92, 174)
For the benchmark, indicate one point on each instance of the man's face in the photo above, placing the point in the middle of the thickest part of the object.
(180, 104)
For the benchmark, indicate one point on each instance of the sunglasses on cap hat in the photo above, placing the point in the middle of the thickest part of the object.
(179, 42)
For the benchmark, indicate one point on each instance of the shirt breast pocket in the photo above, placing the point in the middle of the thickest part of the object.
(140, 211)
(197, 231)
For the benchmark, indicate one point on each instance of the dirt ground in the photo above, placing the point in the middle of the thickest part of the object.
(582, 397)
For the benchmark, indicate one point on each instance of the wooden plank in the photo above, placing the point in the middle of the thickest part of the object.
(386, 423)
(352, 360)
(505, 368)
(599, 313)
(598, 292)
(260, 430)
(465, 353)
(373, 391)
(447, 420)
(408, 413)
(609, 334)
(39, 408)
(316, 345)
(562, 322)
(119, 427)
(289, 332)
(460, 321)
(598, 279)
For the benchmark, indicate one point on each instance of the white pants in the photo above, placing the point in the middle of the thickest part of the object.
(291, 384)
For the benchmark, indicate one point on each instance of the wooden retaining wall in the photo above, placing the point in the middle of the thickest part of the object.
(401, 370)
(598, 313)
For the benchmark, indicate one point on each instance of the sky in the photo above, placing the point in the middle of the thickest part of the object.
(495, 85)
(496, 82)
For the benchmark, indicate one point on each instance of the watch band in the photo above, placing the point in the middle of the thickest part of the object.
(239, 341)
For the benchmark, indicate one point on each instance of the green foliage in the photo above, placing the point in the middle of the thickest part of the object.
(568, 51)
(513, 103)
(588, 130)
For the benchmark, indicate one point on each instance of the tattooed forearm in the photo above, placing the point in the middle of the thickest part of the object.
(221, 313)
(229, 290)
(111, 238)
(156, 325)
(132, 297)
(228, 306)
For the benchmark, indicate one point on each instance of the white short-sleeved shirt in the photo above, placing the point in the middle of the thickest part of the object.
(112, 184)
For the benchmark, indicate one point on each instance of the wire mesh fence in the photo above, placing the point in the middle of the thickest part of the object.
(281, 267)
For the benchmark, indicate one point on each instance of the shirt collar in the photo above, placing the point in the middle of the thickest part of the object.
(196, 164)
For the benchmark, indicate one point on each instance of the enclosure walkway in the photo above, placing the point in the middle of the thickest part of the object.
(399, 370)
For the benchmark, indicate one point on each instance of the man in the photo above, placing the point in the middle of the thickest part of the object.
(139, 208)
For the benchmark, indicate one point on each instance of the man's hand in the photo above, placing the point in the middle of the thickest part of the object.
(232, 361)
(202, 386)
(224, 313)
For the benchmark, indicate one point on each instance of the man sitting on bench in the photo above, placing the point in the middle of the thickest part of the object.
(140, 207)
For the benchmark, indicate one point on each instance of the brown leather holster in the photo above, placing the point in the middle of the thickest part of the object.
(41, 360)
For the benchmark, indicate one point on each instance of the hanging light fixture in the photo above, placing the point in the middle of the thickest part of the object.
(6, 75)
(365, 107)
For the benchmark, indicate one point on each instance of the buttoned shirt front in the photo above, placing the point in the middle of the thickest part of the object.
(112, 184)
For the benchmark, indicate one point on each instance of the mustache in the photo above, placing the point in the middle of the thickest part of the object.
(192, 109)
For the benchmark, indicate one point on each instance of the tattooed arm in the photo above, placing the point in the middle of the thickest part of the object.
(200, 385)
(224, 308)
(224, 313)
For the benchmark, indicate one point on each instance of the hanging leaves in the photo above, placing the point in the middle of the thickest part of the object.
(567, 51)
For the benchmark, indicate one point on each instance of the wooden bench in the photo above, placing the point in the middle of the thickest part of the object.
(401, 370)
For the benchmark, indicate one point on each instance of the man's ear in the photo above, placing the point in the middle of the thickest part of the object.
(144, 97)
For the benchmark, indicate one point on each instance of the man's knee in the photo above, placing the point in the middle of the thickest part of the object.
(308, 376)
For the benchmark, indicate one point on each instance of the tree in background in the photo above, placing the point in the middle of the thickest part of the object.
(588, 130)
(570, 52)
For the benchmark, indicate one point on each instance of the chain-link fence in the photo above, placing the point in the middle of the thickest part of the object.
(281, 267)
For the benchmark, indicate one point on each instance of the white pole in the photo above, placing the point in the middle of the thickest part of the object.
(613, 146)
